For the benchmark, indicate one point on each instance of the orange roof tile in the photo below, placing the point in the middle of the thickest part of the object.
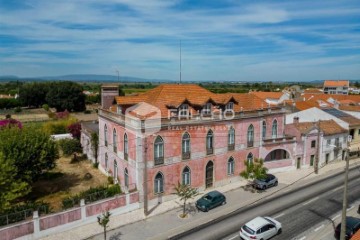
(328, 127)
(356, 236)
(349, 108)
(336, 83)
(313, 91)
(167, 96)
(266, 95)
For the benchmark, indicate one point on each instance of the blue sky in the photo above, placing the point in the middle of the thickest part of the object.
(221, 40)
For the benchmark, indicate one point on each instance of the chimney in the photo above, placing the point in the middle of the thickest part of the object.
(296, 120)
(108, 94)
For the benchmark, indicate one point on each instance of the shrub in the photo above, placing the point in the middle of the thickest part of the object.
(70, 146)
(110, 180)
(17, 109)
(45, 107)
(58, 126)
(87, 112)
(96, 165)
(74, 129)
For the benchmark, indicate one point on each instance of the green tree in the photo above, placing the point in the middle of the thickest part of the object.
(95, 145)
(104, 220)
(254, 169)
(66, 95)
(185, 192)
(30, 149)
(11, 187)
(33, 94)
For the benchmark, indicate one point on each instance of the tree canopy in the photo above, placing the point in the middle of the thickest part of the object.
(254, 169)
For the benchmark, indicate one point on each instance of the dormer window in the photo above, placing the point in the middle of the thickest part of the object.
(229, 106)
(184, 110)
(207, 108)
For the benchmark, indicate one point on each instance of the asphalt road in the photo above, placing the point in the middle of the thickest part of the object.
(299, 210)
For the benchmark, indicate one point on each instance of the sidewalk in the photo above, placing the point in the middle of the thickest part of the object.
(167, 212)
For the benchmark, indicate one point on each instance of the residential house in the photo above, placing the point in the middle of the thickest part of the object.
(87, 130)
(336, 87)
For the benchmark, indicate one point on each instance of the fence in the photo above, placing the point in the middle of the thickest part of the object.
(49, 224)
(18, 216)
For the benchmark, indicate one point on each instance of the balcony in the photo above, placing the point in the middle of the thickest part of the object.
(278, 140)
(186, 155)
(159, 161)
(126, 156)
(209, 151)
(231, 147)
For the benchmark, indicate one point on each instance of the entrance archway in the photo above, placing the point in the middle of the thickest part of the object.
(209, 174)
(277, 154)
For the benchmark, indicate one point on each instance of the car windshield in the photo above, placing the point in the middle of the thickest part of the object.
(207, 197)
(269, 220)
(248, 230)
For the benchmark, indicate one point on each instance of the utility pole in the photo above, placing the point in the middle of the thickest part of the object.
(118, 75)
(343, 218)
(317, 159)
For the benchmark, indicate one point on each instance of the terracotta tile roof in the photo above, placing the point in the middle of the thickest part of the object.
(328, 127)
(336, 83)
(349, 108)
(313, 91)
(169, 96)
(267, 95)
(346, 101)
(356, 236)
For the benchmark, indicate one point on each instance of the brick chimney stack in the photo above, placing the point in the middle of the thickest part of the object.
(108, 94)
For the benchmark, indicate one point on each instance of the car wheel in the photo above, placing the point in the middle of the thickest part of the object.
(264, 187)
(276, 183)
(279, 231)
(206, 209)
(223, 203)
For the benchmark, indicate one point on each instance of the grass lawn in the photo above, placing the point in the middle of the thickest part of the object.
(65, 180)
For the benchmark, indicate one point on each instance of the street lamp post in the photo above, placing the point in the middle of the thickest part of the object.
(344, 207)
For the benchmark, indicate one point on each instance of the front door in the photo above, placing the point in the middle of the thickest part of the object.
(209, 173)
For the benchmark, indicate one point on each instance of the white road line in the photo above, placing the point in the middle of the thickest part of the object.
(311, 200)
(233, 237)
(304, 237)
(334, 190)
(318, 228)
(350, 208)
(333, 219)
(281, 214)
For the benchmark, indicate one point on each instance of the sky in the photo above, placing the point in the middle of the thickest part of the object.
(227, 40)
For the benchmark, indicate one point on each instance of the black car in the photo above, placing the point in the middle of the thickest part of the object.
(352, 226)
(268, 181)
(210, 200)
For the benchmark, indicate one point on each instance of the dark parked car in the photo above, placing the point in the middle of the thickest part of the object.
(352, 226)
(268, 181)
(210, 200)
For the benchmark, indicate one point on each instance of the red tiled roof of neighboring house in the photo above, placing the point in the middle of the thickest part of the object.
(346, 101)
(336, 83)
(267, 95)
(350, 108)
(170, 96)
(356, 236)
(313, 91)
(328, 127)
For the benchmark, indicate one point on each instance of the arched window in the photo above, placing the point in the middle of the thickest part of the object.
(250, 136)
(274, 129)
(209, 142)
(186, 176)
(264, 130)
(159, 151)
(231, 139)
(126, 178)
(114, 140)
(185, 146)
(230, 166)
(105, 135)
(159, 183)
(250, 158)
(115, 176)
(106, 162)
(126, 147)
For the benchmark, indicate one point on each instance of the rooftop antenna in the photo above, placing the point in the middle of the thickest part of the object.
(180, 61)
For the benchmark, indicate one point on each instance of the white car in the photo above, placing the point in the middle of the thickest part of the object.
(260, 228)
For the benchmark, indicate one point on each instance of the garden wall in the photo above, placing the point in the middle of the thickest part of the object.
(58, 222)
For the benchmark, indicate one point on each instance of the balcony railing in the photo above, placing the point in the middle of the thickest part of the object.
(126, 156)
(186, 155)
(278, 139)
(209, 151)
(159, 160)
(231, 147)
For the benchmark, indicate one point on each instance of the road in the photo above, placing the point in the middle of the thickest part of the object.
(300, 211)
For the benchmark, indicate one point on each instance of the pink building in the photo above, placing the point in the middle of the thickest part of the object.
(185, 133)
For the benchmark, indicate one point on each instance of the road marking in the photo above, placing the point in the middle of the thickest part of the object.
(311, 200)
(350, 208)
(281, 214)
(233, 237)
(288, 189)
(333, 219)
(304, 237)
(318, 228)
(334, 190)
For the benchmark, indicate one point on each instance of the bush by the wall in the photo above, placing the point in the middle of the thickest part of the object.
(70, 146)
(45, 107)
